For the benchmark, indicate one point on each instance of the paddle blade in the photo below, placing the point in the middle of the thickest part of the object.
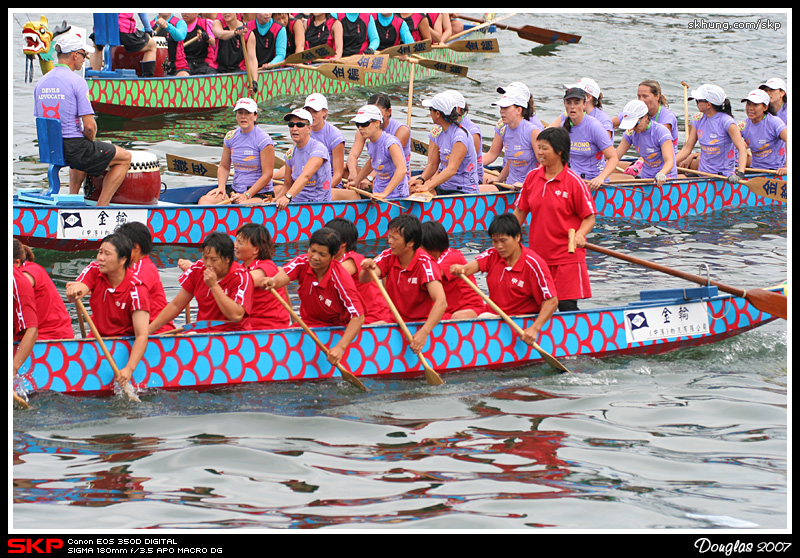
(772, 188)
(546, 36)
(770, 302)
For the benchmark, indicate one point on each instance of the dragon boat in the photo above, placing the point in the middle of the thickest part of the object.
(660, 321)
(174, 218)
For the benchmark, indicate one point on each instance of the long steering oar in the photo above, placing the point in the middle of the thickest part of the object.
(346, 374)
(550, 359)
(124, 384)
(766, 301)
(430, 374)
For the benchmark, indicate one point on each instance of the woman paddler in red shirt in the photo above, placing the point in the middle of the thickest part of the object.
(557, 200)
(120, 302)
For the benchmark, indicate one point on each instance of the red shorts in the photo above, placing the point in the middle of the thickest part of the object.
(572, 281)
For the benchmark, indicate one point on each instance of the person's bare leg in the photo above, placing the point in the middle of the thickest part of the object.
(118, 169)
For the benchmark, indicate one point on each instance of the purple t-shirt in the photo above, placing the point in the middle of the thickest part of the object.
(384, 167)
(465, 180)
(604, 119)
(648, 146)
(519, 152)
(63, 94)
(391, 128)
(330, 137)
(587, 142)
(474, 129)
(666, 117)
(246, 157)
(764, 141)
(318, 187)
(717, 152)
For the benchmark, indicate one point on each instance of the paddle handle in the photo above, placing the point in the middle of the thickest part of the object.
(126, 386)
(346, 374)
(430, 374)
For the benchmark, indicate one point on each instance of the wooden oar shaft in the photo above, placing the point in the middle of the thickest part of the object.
(430, 374)
(346, 374)
(766, 301)
(124, 384)
(513, 325)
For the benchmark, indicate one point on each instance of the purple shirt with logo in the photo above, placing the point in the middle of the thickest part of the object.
(318, 187)
(246, 157)
(518, 149)
(465, 180)
(587, 142)
(765, 143)
(648, 146)
(717, 152)
(384, 167)
(63, 94)
(330, 137)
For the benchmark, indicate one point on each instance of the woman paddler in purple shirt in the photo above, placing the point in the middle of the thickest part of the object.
(722, 148)
(452, 161)
(518, 134)
(390, 126)
(308, 176)
(764, 133)
(385, 155)
(589, 141)
(652, 141)
(250, 152)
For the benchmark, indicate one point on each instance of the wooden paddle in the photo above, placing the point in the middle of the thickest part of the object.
(126, 386)
(341, 72)
(759, 185)
(766, 301)
(685, 111)
(304, 56)
(195, 167)
(346, 374)
(531, 33)
(481, 24)
(550, 359)
(482, 45)
(430, 374)
(373, 63)
(373, 197)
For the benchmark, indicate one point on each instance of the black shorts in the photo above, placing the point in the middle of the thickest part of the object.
(92, 157)
(134, 42)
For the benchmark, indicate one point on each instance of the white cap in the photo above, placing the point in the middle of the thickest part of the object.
(714, 94)
(512, 96)
(774, 83)
(303, 114)
(442, 102)
(458, 98)
(588, 85)
(316, 101)
(368, 113)
(757, 96)
(515, 85)
(247, 104)
(631, 114)
(70, 42)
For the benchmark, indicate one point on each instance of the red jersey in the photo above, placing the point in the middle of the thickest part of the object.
(147, 272)
(555, 206)
(460, 296)
(268, 313)
(332, 301)
(54, 320)
(407, 286)
(520, 289)
(23, 302)
(113, 307)
(236, 284)
(374, 304)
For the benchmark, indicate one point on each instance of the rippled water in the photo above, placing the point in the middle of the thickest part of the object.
(693, 439)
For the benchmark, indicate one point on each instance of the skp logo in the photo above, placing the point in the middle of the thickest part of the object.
(31, 546)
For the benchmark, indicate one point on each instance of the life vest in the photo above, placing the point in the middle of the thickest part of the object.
(356, 39)
(321, 34)
(266, 43)
(390, 34)
(413, 25)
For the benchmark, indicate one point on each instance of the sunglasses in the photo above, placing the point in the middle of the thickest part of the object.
(297, 124)
(364, 124)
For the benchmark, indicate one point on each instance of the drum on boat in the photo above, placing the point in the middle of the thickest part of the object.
(122, 59)
(141, 186)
